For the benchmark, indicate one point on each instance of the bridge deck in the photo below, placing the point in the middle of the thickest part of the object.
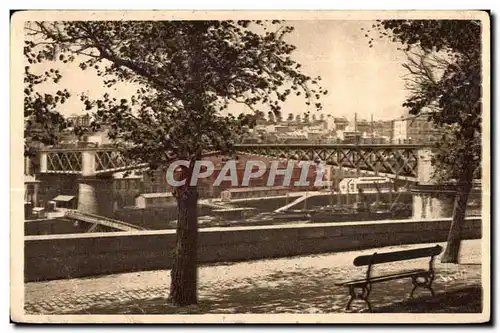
(399, 160)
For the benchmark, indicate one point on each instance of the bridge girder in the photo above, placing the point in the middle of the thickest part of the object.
(395, 161)
(102, 161)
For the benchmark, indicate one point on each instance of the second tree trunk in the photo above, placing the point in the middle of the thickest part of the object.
(183, 287)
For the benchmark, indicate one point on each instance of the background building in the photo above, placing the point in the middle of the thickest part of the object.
(415, 129)
(340, 123)
(81, 121)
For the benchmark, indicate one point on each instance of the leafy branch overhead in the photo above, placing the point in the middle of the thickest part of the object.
(42, 121)
(445, 84)
(186, 72)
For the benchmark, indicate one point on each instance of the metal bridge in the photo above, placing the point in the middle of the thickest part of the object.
(393, 161)
(389, 160)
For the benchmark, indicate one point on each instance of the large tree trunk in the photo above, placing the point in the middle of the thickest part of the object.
(183, 286)
(452, 251)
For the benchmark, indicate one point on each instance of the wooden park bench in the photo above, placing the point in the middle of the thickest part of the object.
(361, 288)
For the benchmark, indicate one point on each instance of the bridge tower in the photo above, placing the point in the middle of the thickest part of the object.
(95, 191)
(92, 169)
(430, 200)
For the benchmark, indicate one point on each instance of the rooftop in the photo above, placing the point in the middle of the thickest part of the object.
(63, 198)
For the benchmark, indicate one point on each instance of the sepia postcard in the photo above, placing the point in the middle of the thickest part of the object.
(250, 167)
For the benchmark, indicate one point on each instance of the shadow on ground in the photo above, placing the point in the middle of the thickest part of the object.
(468, 300)
(307, 294)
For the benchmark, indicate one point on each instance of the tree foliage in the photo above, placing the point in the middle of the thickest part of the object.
(445, 84)
(42, 121)
(187, 72)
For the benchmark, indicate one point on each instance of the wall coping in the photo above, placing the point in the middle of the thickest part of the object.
(230, 229)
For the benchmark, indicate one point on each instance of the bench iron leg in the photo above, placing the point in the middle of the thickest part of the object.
(426, 283)
(369, 305)
(363, 295)
(352, 294)
(366, 294)
(413, 289)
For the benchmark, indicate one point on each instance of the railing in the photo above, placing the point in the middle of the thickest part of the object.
(102, 220)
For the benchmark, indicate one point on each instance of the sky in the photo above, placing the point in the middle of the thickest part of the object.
(360, 79)
(363, 80)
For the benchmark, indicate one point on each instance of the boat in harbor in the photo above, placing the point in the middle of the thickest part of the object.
(354, 213)
(292, 215)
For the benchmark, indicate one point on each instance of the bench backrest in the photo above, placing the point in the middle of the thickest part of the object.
(378, 258)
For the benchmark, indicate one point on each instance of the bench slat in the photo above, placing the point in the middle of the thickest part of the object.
(384, 277)
(397, 256)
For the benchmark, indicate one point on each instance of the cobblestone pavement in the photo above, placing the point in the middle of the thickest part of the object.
(302, 284)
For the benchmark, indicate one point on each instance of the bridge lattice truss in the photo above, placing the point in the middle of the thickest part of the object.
(108, 161)
(395, 161)
(64, 162)
(103, 161)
